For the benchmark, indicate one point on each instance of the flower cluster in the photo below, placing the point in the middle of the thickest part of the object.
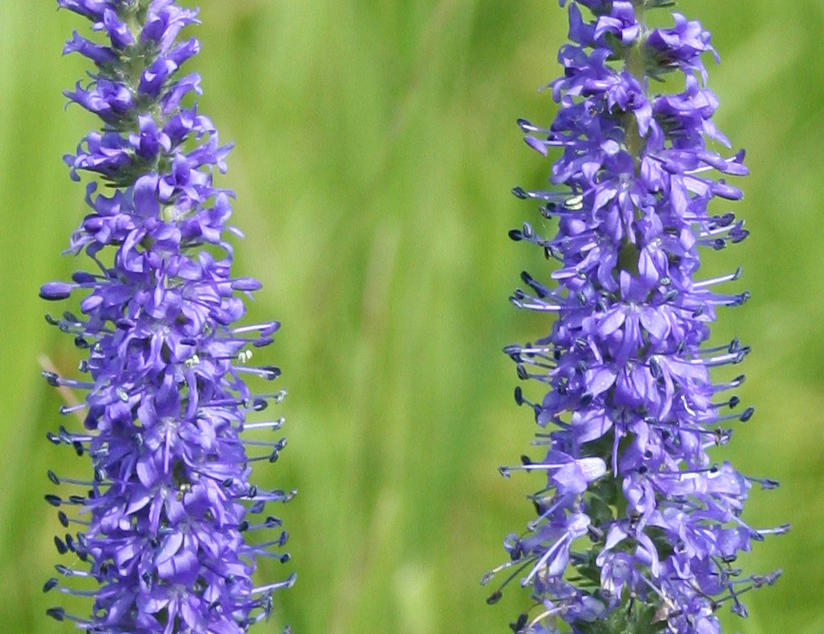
(167, 520)
(637, 528)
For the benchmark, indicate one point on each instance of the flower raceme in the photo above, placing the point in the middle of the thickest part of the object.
(637, 528)
(168, 522)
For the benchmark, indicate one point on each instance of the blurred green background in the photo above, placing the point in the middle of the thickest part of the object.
(375, 149)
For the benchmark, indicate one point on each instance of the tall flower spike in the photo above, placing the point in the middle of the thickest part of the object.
(637, 527)
(168, 521)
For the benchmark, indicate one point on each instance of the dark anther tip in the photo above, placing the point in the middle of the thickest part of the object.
(516, 235)
(595, 534)
(726, 219)
(56, 613)
(493, 598)
(519, 396)
(518, 626)
(520, 192)
(55, 290)
(54, 500)
(61, 547)
(271, 372)
(82, 277)
(53, 477)
(50, 584)
(747, 414)
(246, 284)
(767, 483)
(51, 377)
(525, 125)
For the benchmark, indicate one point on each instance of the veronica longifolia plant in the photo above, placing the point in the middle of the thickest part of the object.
(165, 516)
(637, 527)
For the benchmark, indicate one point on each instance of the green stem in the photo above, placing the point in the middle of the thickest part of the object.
(629, 253)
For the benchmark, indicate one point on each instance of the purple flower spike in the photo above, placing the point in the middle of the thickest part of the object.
(165, 516)
(637, 527)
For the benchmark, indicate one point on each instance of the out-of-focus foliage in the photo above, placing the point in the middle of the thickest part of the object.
(375, 149)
